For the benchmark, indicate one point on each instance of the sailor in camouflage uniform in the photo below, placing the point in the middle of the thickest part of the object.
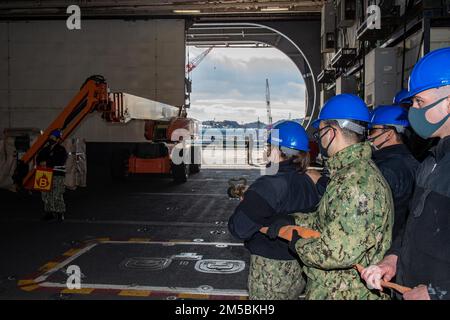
(355, 215)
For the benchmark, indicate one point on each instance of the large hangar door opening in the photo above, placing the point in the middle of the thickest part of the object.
(298, 44)
(43, 65)
(235, 90)
(230, 84)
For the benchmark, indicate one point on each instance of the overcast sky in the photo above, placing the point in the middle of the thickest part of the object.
(229, 84)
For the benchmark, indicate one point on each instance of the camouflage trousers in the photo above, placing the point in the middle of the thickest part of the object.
(270, 279)
(54, 199)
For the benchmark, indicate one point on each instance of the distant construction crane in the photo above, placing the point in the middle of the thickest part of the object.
(269, 112)
(196, 61)
(189, 67)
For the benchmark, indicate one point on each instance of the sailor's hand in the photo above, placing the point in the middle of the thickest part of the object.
(385, 270)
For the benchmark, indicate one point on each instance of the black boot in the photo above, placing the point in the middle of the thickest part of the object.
(60, 216)
(48, 216)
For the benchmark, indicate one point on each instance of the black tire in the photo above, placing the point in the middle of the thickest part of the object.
(180, 173)
(119, 165)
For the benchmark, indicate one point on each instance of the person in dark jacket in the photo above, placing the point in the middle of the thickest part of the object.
(394, 160)
(54, 156)
(275, 272)
(422, 260)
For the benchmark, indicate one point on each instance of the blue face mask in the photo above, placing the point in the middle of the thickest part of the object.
(419, 122)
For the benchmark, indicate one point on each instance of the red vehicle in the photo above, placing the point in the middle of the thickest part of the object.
(171, 138)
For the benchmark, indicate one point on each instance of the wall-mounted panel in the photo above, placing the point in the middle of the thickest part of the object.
(48, 63)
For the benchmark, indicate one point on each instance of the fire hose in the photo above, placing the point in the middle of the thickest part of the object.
(306, 233)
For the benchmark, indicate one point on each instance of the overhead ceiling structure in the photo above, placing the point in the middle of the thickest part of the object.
(225, 35)
(292, 26)
(245, 35)
(201, 8)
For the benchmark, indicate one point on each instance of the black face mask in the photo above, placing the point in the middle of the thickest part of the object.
(324, 150)
(379, 146)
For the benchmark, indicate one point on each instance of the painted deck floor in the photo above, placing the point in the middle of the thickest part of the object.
(141, 238)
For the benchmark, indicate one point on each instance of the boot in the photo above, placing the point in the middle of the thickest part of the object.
(60, 216)
(48, 216)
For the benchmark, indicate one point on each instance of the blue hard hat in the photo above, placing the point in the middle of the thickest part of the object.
(402, 97)
(56, 133)
(432, 71)
(343, 107)
(291, 135)
(390, 115)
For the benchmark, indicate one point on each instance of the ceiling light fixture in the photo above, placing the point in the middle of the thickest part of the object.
(186, 11)
(272, 9)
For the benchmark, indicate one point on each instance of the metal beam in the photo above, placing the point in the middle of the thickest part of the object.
(166, 5)
(106, 8)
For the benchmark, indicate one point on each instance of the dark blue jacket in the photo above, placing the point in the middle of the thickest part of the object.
(267, 199)
(424, 254)
(54, 156)
(398, 167)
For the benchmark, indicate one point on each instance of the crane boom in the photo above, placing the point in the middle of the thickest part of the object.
(196, 61)
(94, 95)
(269, 111)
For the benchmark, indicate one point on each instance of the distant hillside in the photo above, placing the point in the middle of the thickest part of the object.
(228, 124)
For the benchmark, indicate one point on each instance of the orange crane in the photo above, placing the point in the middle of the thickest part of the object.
(95, 96)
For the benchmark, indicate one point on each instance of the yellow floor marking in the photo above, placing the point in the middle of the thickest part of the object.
(102, 239)
(193, 296)
(27, 285)
(135, 293)
(78, 291)
(29, 288)
(25, 282)
(139, 239)
(71, 252)
(48, 266)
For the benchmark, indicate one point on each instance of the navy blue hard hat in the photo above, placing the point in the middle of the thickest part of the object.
(390, 115)
(432, 71)
(291, 135)
(402, 97)
(56, 133)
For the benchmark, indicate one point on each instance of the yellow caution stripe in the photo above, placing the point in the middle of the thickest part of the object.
(48, 266)
(135, 293)
(78, 291)
(71, 252)
(139, 240)
(27, 285)
(193, 296)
